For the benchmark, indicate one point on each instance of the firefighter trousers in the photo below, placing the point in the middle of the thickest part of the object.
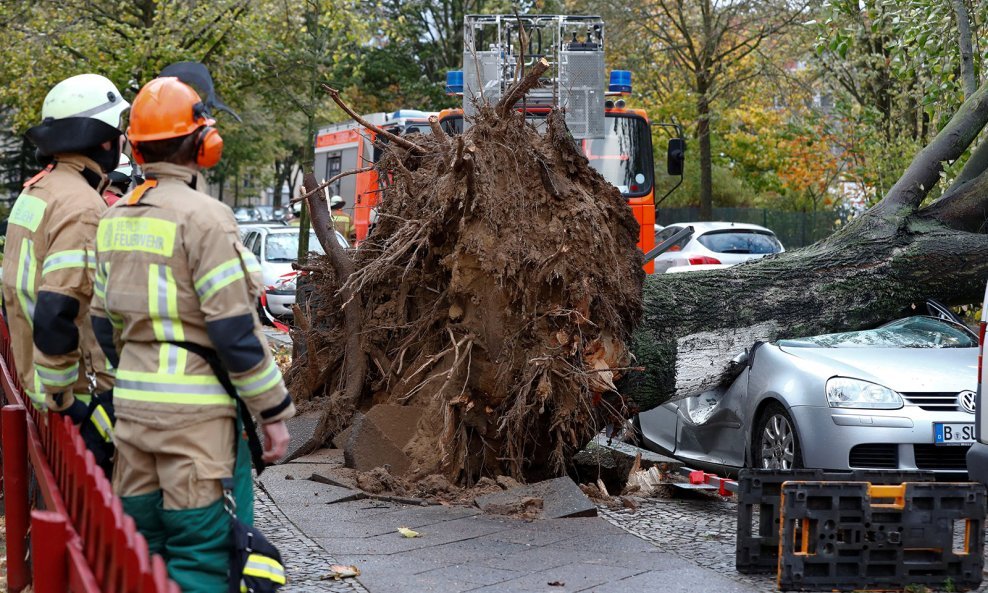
(169, 482)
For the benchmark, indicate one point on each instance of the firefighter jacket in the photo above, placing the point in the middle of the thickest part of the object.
(48, 275)
(171, 269)
(343, 224)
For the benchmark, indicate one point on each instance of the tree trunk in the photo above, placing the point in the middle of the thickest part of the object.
(706, 155)
(279, 183)
(308, 162)
(968, 74)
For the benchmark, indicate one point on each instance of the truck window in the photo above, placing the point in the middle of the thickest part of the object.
(334, 166)
(624, 155)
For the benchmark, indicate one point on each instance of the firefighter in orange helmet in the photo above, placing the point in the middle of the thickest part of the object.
(48, 271)
(175, 294)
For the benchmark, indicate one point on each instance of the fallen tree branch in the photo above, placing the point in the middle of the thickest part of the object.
(976, 164)
(355, 360)
(965, 208)
(437, 130)
(518, 90)
(330, 182)
(403, 142)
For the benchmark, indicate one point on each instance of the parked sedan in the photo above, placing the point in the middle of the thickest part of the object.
(715, 245)
(276, 248)
(900, 396)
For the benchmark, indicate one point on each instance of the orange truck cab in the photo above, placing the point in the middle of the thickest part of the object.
(346, 146)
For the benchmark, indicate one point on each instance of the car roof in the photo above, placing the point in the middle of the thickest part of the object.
(284, 230)
(264, 226)
(705, 227)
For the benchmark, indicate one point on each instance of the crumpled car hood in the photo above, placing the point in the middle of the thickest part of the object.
(903, 369)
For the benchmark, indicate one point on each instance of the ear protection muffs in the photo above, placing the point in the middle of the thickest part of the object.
(209, 147)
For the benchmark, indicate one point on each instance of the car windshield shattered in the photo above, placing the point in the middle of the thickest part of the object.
(911, 332)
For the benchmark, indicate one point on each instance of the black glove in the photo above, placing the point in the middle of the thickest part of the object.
(97, 431)
(78, 411)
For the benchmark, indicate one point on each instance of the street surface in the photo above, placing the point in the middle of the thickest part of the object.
(461, 549)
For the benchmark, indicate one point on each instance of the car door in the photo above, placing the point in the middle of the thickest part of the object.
(710, 427)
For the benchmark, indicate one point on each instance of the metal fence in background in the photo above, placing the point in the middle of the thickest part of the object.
(794, 229)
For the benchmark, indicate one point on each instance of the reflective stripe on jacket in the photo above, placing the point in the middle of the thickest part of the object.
(48, 275)
(171, 269)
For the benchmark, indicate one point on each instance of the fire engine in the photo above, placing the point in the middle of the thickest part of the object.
(497, 48)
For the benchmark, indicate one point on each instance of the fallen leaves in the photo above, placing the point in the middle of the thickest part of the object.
(341, 571)
(406, 532)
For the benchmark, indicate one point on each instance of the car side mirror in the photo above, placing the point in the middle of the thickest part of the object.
(675, 156)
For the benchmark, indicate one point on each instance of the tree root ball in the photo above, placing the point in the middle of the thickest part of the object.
(498, 291)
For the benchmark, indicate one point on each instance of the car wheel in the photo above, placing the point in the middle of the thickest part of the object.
(775, 444)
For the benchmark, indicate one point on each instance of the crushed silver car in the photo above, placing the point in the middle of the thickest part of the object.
(900, 396)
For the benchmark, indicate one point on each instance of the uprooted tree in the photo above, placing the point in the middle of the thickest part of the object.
(502, 287)
(498, 293)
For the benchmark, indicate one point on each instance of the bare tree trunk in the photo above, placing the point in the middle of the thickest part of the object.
(706, 157)
(968, 74)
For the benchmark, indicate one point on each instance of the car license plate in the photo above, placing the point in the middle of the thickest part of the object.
(953, 433)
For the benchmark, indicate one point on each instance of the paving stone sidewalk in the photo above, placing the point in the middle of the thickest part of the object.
(461, 549)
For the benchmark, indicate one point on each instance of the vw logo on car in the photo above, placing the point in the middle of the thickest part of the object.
(966, 401)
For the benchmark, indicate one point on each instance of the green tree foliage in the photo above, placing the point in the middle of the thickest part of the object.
(728, 71)
(894, 68)
(267, 58)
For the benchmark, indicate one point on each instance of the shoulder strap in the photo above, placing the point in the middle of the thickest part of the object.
(213, 359)
(39, 176)
(140, 190)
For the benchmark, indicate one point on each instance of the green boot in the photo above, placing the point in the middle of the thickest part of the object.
(198, 548)
(146, 511)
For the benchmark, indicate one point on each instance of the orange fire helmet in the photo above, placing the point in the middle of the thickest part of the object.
(168, 108)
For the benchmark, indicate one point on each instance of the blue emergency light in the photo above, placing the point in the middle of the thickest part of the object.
(454, 82)
(620, 82)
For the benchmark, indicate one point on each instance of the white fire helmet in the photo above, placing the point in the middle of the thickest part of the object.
(85, 95)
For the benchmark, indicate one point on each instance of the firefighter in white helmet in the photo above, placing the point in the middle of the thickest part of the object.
(48, 270)
(341, 220)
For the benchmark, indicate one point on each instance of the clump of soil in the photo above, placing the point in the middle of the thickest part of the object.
(498, 290)
(434, 488)
(379, 480)
(528, 507)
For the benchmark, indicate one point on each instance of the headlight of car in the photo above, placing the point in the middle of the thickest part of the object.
(855, 393)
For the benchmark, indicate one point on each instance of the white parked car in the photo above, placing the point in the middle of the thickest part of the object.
(276, 248)
(715, 245)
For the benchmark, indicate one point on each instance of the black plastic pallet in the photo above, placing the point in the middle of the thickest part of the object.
(758, 494)
(853, 536)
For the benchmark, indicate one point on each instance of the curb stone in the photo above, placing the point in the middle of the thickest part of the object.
(305, 560)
